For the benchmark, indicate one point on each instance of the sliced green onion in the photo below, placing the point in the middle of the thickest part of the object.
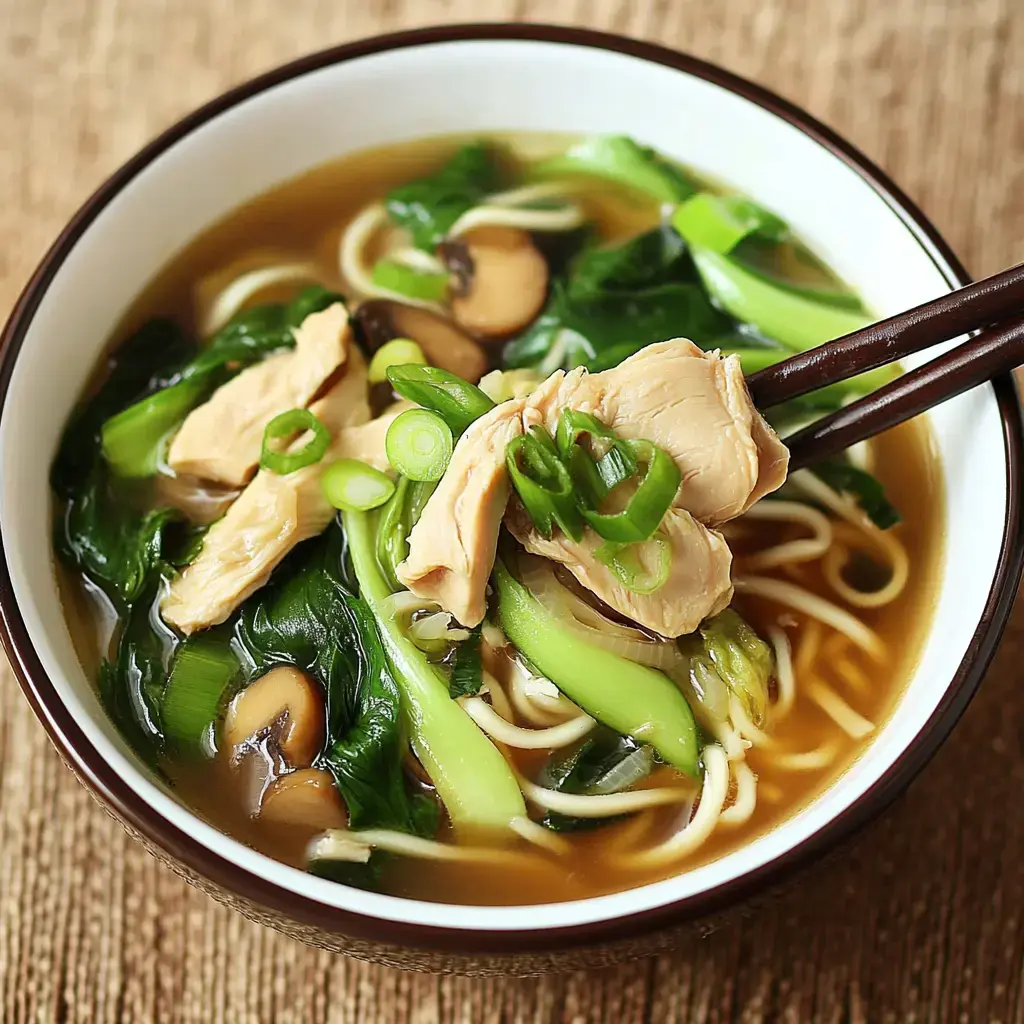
(455, 400)
(543, 484)
(419, 445)
(594, 479)
(287, 424)
(653, 497)
(203, 670)
(397, 352)
(397, 277)
(354, 486)
(626, 565)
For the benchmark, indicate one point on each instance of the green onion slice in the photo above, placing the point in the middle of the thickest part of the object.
(543, 483)
(653, 497)
(397, 277)
(396, 352)
(455, 400)
(287, 424)
(640, 575)
(593, 479)
(354, 486)
(419, 445)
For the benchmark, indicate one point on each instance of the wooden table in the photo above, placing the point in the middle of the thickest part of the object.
(921, 922)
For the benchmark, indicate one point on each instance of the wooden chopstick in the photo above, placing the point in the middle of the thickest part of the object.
(979, 305)
(989, 354)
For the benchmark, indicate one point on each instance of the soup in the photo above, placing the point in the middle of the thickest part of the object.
(481, 584)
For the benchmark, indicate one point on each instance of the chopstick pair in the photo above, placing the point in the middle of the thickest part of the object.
(992, 306)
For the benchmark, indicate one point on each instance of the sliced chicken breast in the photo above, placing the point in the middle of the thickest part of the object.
(221, 439)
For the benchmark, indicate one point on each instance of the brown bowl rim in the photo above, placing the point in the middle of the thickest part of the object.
(93, 770)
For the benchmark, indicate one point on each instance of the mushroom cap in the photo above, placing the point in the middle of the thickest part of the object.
(286, 703)
(444, 344)
(504, 281)
(305, 797)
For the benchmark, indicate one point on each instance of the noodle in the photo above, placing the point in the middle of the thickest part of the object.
(540, 836)
(340, 844)
(525, 739)
(811, 760)
(803, 550)
(854, 725)
(602, 805)
(817, 607)
(745, 800)
(784, 677)
(352, 262)
(232, 298)
(698, 828)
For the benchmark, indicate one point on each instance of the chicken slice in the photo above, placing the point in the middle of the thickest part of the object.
(698, 583)
(272, 515)
(221, 439)
(452, 547)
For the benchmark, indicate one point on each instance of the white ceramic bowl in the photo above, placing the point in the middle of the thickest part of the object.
(479, 79)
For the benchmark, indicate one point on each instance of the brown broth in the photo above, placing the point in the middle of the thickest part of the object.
(303, 219)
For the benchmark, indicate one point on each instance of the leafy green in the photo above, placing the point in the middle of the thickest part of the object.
(589, 767)
(467, 668)
(135, 367)
(727, 646)
(100, 535)
(310, 616)
(865, 489)
(131, 686)
(99, 530)
(620, 159)
(133, 440)
(600, 331)
(429, 207)
(658, 256)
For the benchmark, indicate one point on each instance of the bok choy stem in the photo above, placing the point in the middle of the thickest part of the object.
(630, 698)
(473, 780)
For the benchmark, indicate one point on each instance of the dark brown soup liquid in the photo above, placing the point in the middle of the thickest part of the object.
(303, 220)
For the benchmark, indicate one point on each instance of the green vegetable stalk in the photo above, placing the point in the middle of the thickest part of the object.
(472, 778)
(725, 644)
(630, 698)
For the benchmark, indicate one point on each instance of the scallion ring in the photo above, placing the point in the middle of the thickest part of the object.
(625, 564)
(288, 424)
(354, 486)
(396, 352)
(419, 445)
(654, 495)
(543, 483)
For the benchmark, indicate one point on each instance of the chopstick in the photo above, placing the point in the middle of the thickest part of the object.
(997, 300)
(988, 355)
(979, 305)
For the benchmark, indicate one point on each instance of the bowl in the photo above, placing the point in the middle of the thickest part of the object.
(479, 78)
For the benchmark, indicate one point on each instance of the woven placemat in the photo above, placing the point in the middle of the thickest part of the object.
(921, 922)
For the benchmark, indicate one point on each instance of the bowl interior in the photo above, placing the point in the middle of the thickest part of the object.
(468, 86)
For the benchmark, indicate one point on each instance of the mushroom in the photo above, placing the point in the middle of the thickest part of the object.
(444, 345)
(501, 280)
(307, 797)
(289, 706)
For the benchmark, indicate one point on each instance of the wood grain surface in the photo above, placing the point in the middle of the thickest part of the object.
(923, 921)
